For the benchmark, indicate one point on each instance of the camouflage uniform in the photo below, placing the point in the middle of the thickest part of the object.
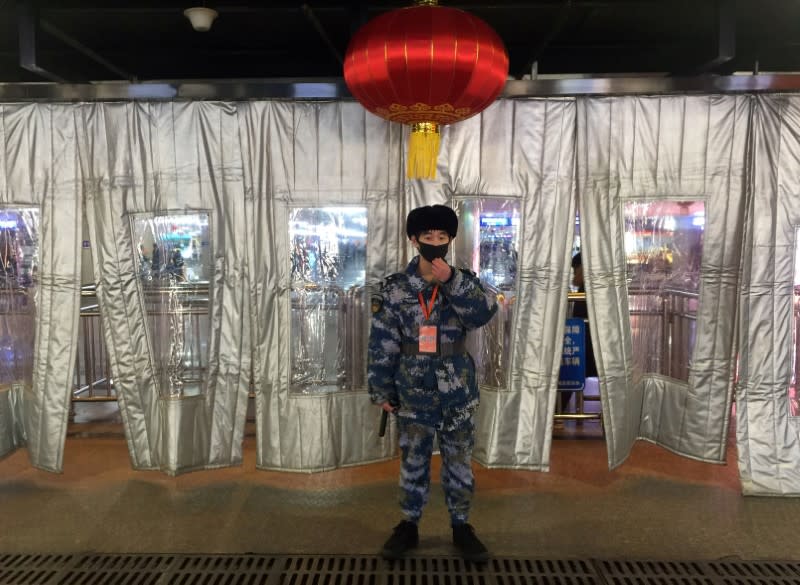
(434, 394)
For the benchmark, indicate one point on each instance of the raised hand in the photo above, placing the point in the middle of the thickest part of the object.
(441, 270)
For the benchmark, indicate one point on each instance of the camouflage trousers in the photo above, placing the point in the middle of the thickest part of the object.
(455, 446)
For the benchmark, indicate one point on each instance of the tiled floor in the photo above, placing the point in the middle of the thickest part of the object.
(656, 506)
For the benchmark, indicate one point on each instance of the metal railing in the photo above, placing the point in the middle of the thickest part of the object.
(16, 332)
(92, 378)
(330, 328)
(490, 345)
(185, 320)
(794, 397)
(177, 318)
(664, 327)
(670, 313)
(663, 323)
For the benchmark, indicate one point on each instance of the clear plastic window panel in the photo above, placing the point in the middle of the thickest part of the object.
(19, 267)
(175, 266)
(488, 244)
(330, 319)
(664, 249)
(794, 399)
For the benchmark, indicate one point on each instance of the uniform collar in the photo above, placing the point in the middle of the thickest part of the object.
(416, 282)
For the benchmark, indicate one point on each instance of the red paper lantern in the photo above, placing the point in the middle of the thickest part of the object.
(425, 65)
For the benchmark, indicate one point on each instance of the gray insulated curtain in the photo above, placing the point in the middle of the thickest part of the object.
(40, 207)
(325, 190)
(149, 170)
(520, 154)
(290, 192)
(639, 150)
(236, 247)
(307, 168)
(766, 399)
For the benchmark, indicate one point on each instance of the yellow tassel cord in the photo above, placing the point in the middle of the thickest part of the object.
(423, 150)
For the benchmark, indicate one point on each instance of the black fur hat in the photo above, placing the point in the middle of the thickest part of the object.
(432, 217)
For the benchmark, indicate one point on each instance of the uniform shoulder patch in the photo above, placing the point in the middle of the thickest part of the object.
(388, 284)
(393, 278)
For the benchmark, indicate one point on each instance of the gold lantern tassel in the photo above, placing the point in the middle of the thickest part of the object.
(423, 150)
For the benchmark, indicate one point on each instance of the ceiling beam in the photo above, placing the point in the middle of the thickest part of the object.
(558, 25)
(28, 23)
(312, 18)
(335, 88)
(30, 27)
(81, 48)
(135, 6)
(725, 37)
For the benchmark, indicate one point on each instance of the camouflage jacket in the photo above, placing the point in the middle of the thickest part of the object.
(431, 390)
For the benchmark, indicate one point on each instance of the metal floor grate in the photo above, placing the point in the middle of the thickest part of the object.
(162, 569)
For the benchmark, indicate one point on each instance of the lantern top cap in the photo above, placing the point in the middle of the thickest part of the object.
(426, 2)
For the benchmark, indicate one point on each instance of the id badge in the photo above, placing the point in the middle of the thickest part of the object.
(428, 339)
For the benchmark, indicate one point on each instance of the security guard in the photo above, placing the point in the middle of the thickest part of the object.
(420, 370)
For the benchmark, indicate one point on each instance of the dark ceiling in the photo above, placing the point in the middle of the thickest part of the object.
(91, 40)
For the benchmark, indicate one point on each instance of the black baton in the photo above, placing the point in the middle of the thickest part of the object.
(384, 418)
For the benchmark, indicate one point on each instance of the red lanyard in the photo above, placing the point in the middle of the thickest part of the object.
(426, 310)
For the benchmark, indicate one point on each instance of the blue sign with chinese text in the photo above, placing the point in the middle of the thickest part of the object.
(572, 375)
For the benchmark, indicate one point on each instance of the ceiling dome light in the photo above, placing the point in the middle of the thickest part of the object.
(201, 17)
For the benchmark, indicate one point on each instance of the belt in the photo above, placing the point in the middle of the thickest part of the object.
(445, 349)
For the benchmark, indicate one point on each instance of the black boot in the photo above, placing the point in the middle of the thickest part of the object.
(472, 549)
(403, 539)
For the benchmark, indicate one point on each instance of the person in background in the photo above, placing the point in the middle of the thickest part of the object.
(580, 311)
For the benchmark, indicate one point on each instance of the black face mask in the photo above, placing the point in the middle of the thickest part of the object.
(431, 253)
